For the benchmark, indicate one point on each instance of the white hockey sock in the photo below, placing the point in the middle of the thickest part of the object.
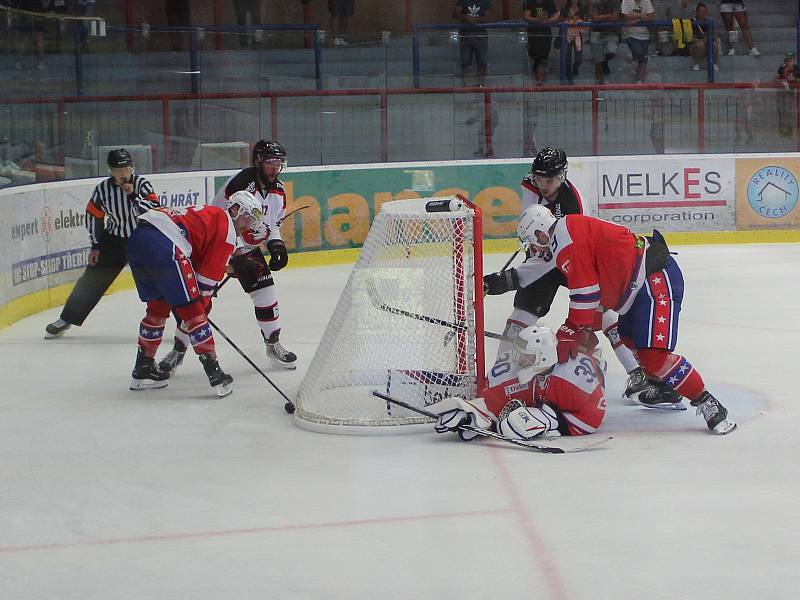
(624, 354)
(265, 302)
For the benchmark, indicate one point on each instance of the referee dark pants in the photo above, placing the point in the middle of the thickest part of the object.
(96, 279)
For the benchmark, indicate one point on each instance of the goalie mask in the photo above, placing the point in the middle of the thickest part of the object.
(535, 351)
(269, 159)
(248, 217)
(533, 230)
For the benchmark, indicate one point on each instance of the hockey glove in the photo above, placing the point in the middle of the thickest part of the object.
(572, 340)
(500, 283)
(455, 412)
(250, 266)
(278, 256)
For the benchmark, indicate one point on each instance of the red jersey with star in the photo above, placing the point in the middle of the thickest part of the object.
(205, 235)
(602, 262)
(573, 388)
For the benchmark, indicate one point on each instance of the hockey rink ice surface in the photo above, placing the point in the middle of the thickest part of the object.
(174, 494)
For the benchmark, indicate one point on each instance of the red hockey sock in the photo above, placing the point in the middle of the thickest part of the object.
(196, 326)
(151, 329)
(673, 369)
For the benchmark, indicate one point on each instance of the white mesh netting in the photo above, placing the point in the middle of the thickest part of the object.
(404, 324)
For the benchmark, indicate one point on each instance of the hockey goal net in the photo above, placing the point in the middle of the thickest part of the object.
(408, 323)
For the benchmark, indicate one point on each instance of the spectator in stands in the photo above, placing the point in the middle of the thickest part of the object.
(698, 46)
(56, 29)
(634, 13)
(242, 8)
(540, 15)
(85, 8)
(603, 40)
(667, 10)
(729, 10)
(572, 12)
(179, 14)
(473, 40)
(26, 25)
(341, 11)
(787, 72)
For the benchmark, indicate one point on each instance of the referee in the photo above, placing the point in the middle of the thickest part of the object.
(110, 218)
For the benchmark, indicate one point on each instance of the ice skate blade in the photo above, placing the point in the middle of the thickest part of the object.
(680, 405)
(223, 389)
(724, 427)
(137, 385)
(52, 336)
(276, 364)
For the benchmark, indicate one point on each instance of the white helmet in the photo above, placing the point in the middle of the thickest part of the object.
(535, 218)
(535, 351)
(246, 204)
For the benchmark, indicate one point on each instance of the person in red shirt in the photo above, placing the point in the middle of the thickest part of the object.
(177, 258)
(607, 264)
(546, 398)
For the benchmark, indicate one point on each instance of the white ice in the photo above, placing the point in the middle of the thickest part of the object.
(110, 494)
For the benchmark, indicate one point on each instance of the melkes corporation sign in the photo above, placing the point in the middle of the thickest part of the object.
(672, 194)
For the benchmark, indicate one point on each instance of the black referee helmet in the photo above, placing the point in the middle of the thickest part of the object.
(550, 162)
(119, 159)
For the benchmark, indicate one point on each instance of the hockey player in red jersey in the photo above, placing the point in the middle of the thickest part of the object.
(547, 398)
(177, 259)
(248, 264)
(547, 185)
(608, 265)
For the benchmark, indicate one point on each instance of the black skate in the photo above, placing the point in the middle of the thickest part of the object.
(637, 382)
(173, 359)
(146, 375)
(660, 395)
(714, 413)
(278, 355)
(56, 329)
(219, 380)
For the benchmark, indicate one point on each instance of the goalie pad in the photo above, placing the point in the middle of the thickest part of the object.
(527, 423)
(455, 411)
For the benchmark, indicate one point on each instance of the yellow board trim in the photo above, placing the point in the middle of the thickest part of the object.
(45, 299)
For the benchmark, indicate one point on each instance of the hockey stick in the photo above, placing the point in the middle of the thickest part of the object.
(380, 305)
(289, 406)
(508, 262)
(478, 430)
(451, 334)
(279, 222)
(220, 286)
(596, 440)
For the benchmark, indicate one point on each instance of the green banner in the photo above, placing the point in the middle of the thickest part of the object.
(342, 202)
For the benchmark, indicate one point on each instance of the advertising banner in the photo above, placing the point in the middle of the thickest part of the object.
(175, 190)
(767, 193)
(670, 194)
(341, 203)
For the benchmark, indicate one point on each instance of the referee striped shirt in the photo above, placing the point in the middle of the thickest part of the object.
(116, 212)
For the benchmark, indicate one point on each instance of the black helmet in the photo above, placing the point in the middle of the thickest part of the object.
(265, 149)
(119, 158)
(549, 162)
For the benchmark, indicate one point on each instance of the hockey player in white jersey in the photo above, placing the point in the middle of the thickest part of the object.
(248, 263)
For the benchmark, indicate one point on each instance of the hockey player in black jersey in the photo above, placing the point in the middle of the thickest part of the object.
(547, 184)
(248, 263)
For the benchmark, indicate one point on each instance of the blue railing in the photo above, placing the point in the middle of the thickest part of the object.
(562, 27)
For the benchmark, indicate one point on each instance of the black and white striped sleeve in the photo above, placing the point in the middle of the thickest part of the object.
(95, 216)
